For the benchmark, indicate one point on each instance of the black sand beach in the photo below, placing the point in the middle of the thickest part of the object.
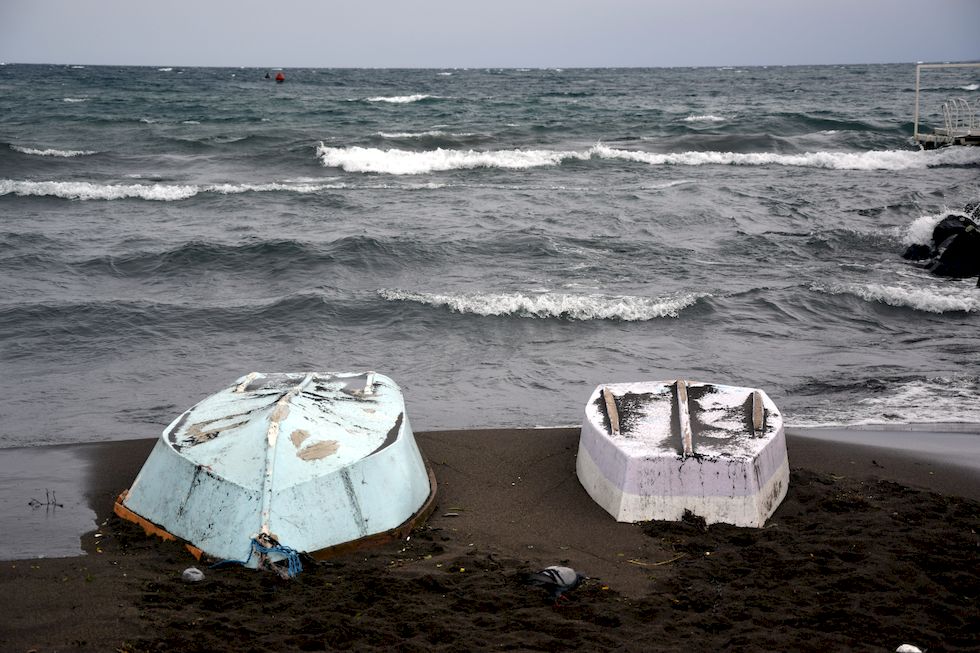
(871, 548)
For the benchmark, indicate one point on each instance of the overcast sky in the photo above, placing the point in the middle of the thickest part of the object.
(494, 33)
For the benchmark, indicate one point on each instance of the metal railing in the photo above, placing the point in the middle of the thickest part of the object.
(960, 118)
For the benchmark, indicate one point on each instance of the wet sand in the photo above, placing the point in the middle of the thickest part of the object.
(873, 547)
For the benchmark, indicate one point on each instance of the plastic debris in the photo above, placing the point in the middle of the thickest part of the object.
(192, 575)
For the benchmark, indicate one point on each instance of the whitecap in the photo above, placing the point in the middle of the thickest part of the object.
(400, 99)
(929, 299)
(971, 87)
(432, 132)
(165, 70)
(303, 188)
(72, 100)
(52, 152)
(551, 305)
(705, 118)
(426, 134)
(668, 184)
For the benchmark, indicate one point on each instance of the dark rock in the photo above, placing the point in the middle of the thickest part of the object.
(918, 252)
(950, 226)
(959, 255)
(955, 247)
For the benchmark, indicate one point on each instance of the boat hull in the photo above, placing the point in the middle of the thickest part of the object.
(731, 473)
(312, 460)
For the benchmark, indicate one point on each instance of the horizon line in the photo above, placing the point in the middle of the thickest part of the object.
(484, 67)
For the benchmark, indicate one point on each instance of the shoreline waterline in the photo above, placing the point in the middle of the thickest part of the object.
(83, 476)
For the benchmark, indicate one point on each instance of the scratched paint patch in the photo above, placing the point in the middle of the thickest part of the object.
(298, 437)
(319, 450)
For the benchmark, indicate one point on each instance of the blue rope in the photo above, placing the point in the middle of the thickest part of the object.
(293, 564)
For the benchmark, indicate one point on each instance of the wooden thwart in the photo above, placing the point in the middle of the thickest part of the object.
(611, 411)
(758, 412)
(684, 417)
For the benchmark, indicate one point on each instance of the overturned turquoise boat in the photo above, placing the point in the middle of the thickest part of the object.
(285, 463)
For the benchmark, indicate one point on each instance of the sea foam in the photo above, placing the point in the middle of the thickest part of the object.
(926, 400)
(914, 401)
(552, 305)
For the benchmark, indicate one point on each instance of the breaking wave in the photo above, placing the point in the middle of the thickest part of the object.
(84, 190)
(930, 299)
(407, 162)
(920, 231)
(870, 160)
(552, 305)
(51, 152)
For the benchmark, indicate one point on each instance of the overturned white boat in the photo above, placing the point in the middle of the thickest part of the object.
(310, 463)
(654, 450)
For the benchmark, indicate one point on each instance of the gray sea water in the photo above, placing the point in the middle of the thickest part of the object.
(499, 242)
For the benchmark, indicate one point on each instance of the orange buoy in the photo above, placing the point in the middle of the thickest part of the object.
(280, 77)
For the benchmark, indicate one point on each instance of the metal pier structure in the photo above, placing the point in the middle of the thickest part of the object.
(961, 119)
